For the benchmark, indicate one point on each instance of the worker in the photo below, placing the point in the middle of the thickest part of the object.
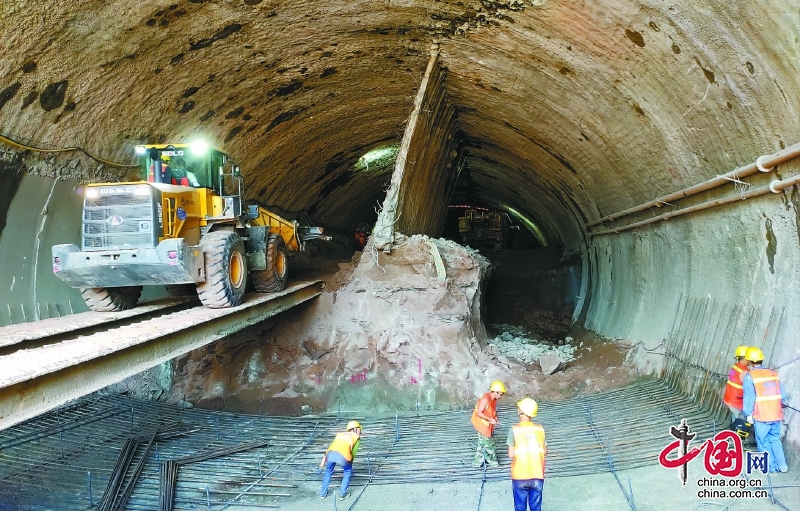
(361, 239)
(733, 388)
(484, 418)
(341, 452)
(527, 449)
(181, 174)
(763, 406)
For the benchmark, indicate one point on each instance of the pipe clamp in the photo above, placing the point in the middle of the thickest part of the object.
(760, 165)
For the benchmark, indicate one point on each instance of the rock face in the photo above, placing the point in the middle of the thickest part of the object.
(551, 364)
(395, 336)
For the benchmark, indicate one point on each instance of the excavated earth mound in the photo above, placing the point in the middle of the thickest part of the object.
(395, 335)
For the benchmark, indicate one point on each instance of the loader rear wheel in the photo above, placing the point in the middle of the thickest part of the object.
(226, 270)
(275, 277)
(111, 299)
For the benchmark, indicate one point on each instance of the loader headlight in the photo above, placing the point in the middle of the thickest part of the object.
(199, 147)
(140, 149)
(141, 190)
(92, 193)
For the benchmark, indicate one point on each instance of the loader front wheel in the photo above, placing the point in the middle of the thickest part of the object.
(275, 277)
(226, 270)
(111, 299)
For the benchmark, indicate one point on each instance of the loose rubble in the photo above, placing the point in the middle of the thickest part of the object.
(515, 342)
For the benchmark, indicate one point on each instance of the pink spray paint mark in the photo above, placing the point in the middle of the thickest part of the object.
(359, 377)
(414, 381)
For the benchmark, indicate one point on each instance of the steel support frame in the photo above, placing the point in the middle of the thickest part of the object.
(22, 400)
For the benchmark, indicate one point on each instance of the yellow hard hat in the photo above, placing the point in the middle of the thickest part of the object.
(353, 425)
(741, 351)
(528, 406)
(497, 386)
(754, 355)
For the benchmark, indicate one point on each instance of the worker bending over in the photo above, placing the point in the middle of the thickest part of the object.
(341, 452)
(527, 450)
(763, 403)
(484, 418)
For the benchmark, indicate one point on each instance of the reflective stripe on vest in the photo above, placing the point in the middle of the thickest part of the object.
(734, 392)
(482, 425)
(529, 450)
(768, 395)
(343, 444)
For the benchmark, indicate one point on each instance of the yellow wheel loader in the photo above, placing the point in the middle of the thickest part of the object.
(479, 228)
(184, 226)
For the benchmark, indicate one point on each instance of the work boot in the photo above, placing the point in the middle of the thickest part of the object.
(325, 496)
(344, 496)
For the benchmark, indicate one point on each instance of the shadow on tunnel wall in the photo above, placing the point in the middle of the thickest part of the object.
(527, 283)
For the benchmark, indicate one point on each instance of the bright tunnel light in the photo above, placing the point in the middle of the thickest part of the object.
(530, 225)
(377, 155)
(140, 149)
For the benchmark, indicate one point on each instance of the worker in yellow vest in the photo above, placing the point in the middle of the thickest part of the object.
(527, 450)
(484, 419)
(341, 452)
(763, 403)
(734, 392)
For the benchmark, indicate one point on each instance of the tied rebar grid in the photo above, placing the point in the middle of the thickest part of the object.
(632, 424)
(701, 345)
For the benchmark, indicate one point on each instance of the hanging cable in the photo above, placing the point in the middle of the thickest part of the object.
(20, 145)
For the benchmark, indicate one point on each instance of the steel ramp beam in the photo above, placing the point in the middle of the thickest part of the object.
(33, 381)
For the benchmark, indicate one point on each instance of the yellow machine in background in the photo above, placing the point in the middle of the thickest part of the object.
(184, 226)
(479, 228)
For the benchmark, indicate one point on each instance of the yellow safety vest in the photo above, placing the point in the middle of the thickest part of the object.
(529, 451)
(768, 395)
(343, 444)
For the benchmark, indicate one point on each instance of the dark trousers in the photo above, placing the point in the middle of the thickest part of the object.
(527, 492)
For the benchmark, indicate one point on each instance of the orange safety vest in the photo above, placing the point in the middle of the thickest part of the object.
(734, 392)
(529, 451)
(482, 425)
(343, 444)
(768, 395)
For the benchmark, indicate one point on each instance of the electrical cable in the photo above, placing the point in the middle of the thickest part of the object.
(5, 139)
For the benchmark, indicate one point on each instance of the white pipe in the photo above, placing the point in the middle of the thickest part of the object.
(764, 163)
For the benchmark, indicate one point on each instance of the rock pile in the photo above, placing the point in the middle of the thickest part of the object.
(517, 343)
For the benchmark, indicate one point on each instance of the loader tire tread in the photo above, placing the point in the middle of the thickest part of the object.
(276, 276)
(111, 299)
(225, 270)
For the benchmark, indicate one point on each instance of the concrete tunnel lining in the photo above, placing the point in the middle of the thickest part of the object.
(565, 111)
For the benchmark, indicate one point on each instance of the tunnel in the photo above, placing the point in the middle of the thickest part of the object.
(643, 157)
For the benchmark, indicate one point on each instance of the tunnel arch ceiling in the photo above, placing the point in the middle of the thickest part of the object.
(605, 105)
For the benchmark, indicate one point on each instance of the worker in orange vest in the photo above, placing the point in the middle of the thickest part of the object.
(763, 405)
(733, 388)
(527, 450)
(484, 418)
(341, 452)
(361, 239)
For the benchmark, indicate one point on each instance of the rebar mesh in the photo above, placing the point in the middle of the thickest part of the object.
(46, 462)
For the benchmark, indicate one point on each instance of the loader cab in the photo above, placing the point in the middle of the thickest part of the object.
(195, 165)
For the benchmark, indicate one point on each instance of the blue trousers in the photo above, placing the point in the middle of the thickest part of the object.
(527, 492)
(333, 459)
(768, 439)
